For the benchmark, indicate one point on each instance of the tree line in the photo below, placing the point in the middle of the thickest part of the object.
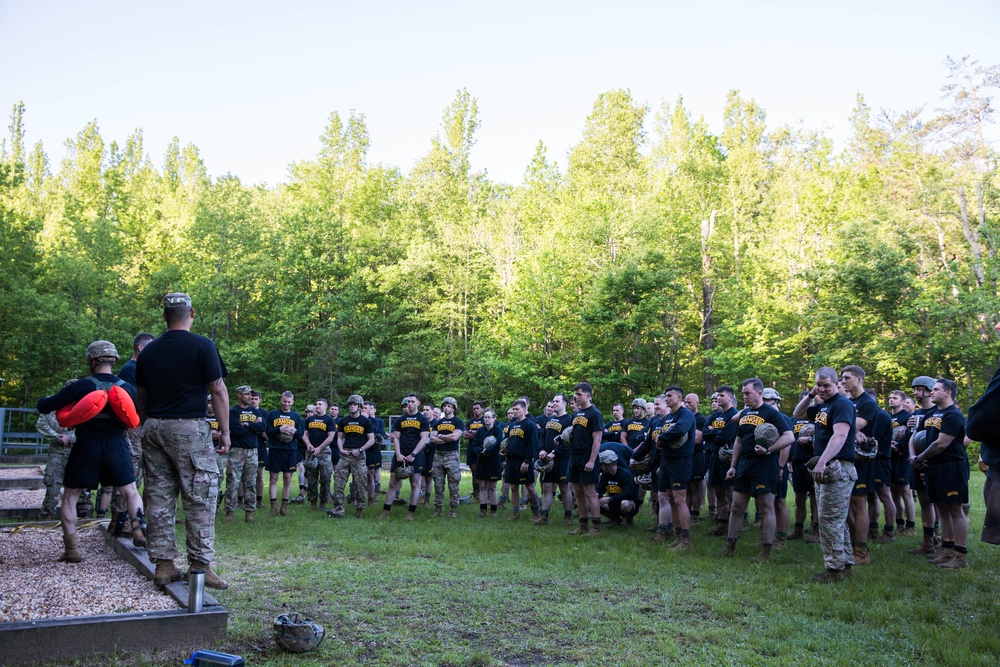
(661, 253)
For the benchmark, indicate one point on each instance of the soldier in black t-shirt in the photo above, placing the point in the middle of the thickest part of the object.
(853, 380)
(584, 471)
(373, 455)
(947, 473)
(522, 450)
(617, 490)
(447, 464)
(554, 448)
(409, 437)
(429, 451)
(721, 432)
(835, 422)
(882, 478)
(698, 484)
(320, 434)
(802, 481)
(261, 445)
(613, 429)
(284, 430)
(922, 387)
(472, 447)
(900, 463)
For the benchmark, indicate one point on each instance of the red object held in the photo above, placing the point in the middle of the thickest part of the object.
(123, 407)
(85, 409)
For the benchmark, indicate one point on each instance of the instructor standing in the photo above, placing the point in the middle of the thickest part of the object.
(173, 373)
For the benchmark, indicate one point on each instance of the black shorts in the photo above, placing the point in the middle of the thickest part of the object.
(674, 474)
(104, 461)
(489, 468)
(802, 479)
(472, 455)
(757, 476)
(865, 486)
(419, 467)
(282, 460)
(698, 466)
(560, 471)
(882, 475)
(577, 469)
(512, 474)
(717, 472)
(948, 482)
(901, 471)
(261, 454)
(782, 491)
(615, 507)
(373, 456)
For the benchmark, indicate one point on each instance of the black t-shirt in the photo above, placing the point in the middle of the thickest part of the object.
(835, 411)
(882, 432)
(750, 419)
(613, 431)
(175, 371)
(105, 424)
(275, 420)
(553, 427)
(723, 428)
(244, 429)
(622, 483)
(447, 426)
(949, 421)
(522, 440)
(802, 453)
(648, 445)
(410, 428)
(635, 431)
(482, 433)
(866, 409)
(317, 429)
(623, 452)
(355, 430)
(682, 419)
(586, 423)
(700, 424)
(127, 371)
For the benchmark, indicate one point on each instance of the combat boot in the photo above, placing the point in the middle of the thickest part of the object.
(249, 517)
(797, 534)
(312, 504)
(212, 580)
(579, 530)
(828, 577)
(71, 552)
(274, 508)
(764, 556)
(595, 531)
(682, 544)
(660, 536)
(283, 511)
(322, 505)
(729, 549)
(861, 556)
(166, 572)
(941, 556)
(515, 516)
(229, 517)
(358, 513)
(437, 513)
(139, 529)
(410, 516)
(453, 513)
(926, 547)
(885, 538)
(959, 561)
(541, 520)
(813, 535)
(383, 515)
(721, 530)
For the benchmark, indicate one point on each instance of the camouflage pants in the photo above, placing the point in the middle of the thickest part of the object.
(446, 464)
(241, 472)
(318, 476)
(833, 499)
(55, 469)
(179, 459)
(353, 466)
(118, 503)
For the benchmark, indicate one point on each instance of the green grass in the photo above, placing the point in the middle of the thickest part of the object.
(490, 592)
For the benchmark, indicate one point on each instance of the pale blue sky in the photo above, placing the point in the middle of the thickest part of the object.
(252, 84)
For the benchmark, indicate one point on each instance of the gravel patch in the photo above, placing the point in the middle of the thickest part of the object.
(36, 585)
(21, 498)
(18, 473)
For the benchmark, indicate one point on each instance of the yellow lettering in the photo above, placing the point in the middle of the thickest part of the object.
(753, 420)
(580, 421)
(319, 426)
(821, 418)
(354, 428)
(409, 423)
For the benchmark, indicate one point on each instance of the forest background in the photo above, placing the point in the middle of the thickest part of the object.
(660, 253)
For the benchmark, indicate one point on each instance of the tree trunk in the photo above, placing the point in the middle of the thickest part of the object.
(707, 296)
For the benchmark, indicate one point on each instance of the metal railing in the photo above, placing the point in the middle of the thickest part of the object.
(18, 434)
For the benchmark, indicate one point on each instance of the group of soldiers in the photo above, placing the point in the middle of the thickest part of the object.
(849, 461)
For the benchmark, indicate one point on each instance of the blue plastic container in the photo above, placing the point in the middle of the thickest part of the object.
(205, 658)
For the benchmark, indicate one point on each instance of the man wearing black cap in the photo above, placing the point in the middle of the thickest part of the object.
(174, 372)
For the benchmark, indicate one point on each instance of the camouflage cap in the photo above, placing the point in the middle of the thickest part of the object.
(243, 389)
(176, 300)
(608, 457)
(771, 394)
(310, 408)
(448, 400)
(356, 399)
(100, 349)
